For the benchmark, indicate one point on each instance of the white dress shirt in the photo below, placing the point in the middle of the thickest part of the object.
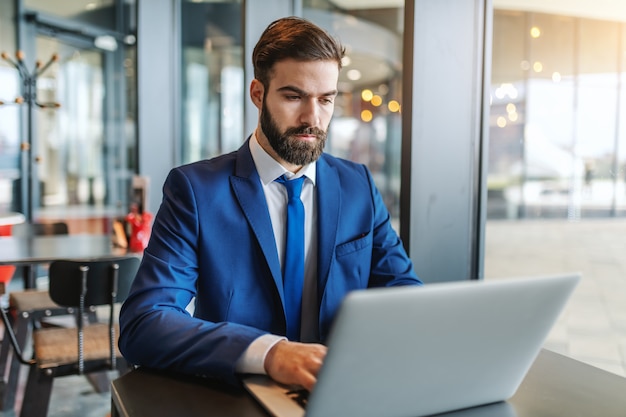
(253, 359)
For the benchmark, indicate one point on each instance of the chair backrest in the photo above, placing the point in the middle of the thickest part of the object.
(103, 277)
(92, 283)
(40, 229)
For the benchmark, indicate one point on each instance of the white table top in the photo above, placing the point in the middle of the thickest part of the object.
(11, 218)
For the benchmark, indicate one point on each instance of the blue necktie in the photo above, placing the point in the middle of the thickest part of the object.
(293, 262)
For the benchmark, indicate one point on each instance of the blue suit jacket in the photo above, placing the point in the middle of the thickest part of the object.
(212, 238)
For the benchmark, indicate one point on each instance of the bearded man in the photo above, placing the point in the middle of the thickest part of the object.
(267, 267)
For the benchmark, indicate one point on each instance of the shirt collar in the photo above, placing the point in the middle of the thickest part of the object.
(269, 169)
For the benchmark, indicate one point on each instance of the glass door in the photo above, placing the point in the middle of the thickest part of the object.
(70, 137)
(78, 170)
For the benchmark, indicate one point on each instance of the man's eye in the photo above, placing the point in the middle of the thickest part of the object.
(292, 97)
(327, 101)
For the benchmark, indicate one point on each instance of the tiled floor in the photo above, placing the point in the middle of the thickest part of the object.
(591, 329)
(72, 396)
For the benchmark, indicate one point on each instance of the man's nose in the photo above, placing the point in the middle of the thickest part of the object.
(310, 113)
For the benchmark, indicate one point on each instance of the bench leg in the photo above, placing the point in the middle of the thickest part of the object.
(9, 391)
(37, 393)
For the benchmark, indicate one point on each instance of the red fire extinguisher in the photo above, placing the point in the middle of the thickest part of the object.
(140, 228)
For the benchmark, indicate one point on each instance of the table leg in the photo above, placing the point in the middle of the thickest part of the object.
(114, 411)
(30, 280)
(7, 400)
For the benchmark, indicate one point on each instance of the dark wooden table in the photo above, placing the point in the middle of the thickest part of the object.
(30, 251)
(555, 386)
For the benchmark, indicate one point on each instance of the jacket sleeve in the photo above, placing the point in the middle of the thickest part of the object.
(156, 329)
(390, 264)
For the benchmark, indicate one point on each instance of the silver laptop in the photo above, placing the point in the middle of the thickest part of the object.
(417, 351)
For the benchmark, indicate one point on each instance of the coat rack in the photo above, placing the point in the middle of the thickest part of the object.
(29, 97)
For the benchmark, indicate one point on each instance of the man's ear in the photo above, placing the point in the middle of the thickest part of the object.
(256, 93)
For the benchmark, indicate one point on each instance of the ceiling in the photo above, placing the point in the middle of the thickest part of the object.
(367, 4)
(614, 10)
(594, 9)
(67, 8)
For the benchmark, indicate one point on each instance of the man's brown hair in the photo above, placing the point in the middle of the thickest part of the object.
(293, 38)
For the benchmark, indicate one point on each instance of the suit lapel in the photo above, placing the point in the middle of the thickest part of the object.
(247, 187)
(328, 207)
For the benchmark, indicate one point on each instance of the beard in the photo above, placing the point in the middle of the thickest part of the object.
(287, 146)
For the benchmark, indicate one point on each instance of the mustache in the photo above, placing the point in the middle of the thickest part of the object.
(305, 130)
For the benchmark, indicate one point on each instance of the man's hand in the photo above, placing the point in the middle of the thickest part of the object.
(295, 363)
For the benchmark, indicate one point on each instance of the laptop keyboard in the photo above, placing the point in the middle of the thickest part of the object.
(300, 396)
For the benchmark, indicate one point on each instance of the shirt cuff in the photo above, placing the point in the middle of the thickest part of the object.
(253, 359)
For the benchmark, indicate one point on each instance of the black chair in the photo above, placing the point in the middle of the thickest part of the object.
(86, 348)
(28, 309)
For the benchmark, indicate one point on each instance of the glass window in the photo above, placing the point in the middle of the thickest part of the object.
(555, 135)
(98, 13)
(366, 126)
(71, 137)
(557, 159)
(212, 79)
(79, 147)
(9, 112)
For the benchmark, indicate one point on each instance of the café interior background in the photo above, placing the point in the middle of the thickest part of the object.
(556, 146)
